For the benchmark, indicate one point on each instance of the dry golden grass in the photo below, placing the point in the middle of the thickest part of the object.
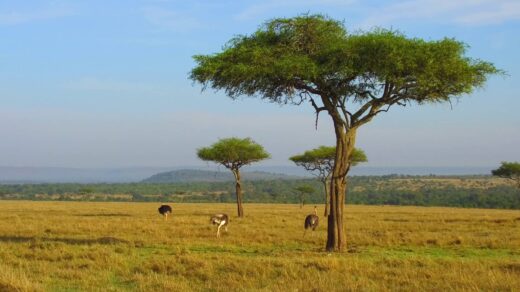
(127, 246)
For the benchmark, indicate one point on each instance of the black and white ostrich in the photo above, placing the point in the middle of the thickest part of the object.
(221, 220)
(165, 210)
(311, 221)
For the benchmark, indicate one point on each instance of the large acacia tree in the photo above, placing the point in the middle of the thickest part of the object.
(233, 153)
(320, 162)
(351, 76)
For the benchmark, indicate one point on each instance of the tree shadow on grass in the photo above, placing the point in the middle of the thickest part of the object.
(73, 241)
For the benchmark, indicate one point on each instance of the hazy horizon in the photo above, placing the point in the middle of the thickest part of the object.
(15, 175)
(257, 165)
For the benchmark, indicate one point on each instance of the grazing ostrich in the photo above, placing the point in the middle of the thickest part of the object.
(220, 220)
(165, 210)
(311, 221)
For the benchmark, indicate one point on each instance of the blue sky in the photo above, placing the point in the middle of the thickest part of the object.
(105, 84)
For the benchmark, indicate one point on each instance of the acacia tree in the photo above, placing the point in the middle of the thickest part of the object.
(233, 153)
(510, 170)
(320, 162)
(302, 191)
(351, 76)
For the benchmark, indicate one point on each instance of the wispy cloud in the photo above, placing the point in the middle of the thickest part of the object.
(20, 17)
(265, 7)
(499, 12)
(467, 12)
(171, 19)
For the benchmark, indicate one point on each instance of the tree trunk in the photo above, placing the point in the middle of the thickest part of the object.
(326, 187)
(345, 141)
(238, 189)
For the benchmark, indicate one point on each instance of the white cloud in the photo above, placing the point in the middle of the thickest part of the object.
(467, 12)
(501, 12)
(18, 17)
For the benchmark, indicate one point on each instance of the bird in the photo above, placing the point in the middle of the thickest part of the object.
(165, 210)
(311, 221)
(222, 220)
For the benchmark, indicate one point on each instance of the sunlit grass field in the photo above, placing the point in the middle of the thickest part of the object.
(77, 246)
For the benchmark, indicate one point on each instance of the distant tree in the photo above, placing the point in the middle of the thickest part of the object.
(351, 76)
(510, 170)
(320, 162)
(233, 153)
(86, 190)
(302, 191)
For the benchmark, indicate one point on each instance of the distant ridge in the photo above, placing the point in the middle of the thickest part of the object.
(194, 175)
(37, 175)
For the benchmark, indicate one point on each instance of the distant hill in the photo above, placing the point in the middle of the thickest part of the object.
(27, 175)
(194, 175)
(24, 175)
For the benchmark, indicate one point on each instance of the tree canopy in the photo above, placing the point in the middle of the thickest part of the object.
(233, 153)
(307, 189)
(510, 170)
(295, 59)
(321, 160)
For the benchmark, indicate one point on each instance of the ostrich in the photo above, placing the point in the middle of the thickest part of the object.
(311, 221)
(165, 210)
(220, 220)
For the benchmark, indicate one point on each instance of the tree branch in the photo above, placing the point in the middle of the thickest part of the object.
(332, 109)
(317, 109)
(390, 96)
(366, 93)
(346, 114)
(315, 166)
(300, 84)
(359, 113)
(376, 108)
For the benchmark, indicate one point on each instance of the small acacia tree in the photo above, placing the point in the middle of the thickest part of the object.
(351, 77)
(320, 162)
(510, 170)
(302, 191)
(233, 153)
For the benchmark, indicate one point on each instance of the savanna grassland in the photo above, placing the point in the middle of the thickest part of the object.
(73, 246)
